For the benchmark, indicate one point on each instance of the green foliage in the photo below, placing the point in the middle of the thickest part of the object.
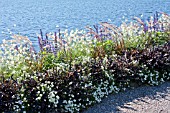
(69, 54)
(161, 38)
(102, 48)
(48, 60)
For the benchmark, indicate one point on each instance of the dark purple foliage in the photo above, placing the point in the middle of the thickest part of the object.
(121, 68)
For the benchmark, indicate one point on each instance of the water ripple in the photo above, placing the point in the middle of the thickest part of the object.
(27, 17)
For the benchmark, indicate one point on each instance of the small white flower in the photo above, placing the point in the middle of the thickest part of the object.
(40, 95)
(70, 83)
(38, 92)
(65, 101)
(38, 98)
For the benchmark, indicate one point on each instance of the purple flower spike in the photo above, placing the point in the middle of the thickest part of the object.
(40, 42)
(162, 27)
(46, 38)
(154, 28)
(155, 19)
(96, 28)
(41, 34)
(53, 50)
(101, 35)
(16, 47)
(145, 28)
(50, 49)
(59, 34)
(55, 35)
(155, 22)
(157, 16)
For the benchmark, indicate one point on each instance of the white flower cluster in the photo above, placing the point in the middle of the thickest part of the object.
(53, 98)
(71, 106)
(62, 67)
(165, 21)
(133, 32)
(71, 39)
(130, 30)
(15, 55)
(153, 77)
(104, 89)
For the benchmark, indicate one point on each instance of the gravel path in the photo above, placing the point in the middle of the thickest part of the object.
(145, 99)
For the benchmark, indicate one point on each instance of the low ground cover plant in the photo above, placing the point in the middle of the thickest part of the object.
(75, 70)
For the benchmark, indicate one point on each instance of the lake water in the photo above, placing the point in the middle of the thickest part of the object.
(26, 17)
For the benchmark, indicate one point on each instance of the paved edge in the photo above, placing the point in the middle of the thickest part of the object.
(143, 99)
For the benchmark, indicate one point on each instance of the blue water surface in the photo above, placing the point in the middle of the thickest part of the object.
(26, 17)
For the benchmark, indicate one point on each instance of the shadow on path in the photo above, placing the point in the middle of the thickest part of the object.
(145, 94)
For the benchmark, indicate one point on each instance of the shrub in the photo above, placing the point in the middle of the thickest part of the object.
(155, 63)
